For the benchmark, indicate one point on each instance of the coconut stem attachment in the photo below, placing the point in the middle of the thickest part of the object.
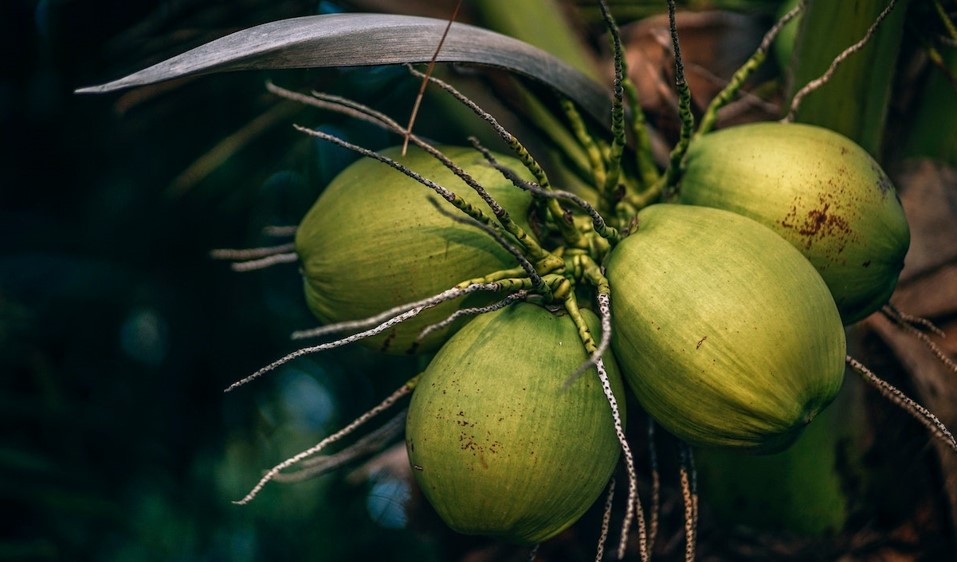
(449, 196)
(279, 230)
(595, 351)
(425, 81)
(349, 325)
(602, 228)
(633, 509)
(401, 392)
(240, 254)
(893, 394)
(644, 155)
(593, 152)
(844, 55)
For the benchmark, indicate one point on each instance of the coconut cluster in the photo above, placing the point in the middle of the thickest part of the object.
(724, 319)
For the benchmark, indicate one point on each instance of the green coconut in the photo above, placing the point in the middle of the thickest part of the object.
(726, 334)
(376, 239)
(818, 190)
(498, 442)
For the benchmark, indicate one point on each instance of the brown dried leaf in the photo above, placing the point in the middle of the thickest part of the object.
(929, 195)
(713, 45)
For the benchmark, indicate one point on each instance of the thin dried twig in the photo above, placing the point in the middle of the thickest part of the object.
(402, 391)
(909, 324)
(844, 55)
(425, 81)
(633, 509)
(367, 445)
(411, 311)
(249, 259)
(894, 395)
(601, 227)
(250, 253)
(689, 492)
(473, 311)
(428, 302)
(605, 521)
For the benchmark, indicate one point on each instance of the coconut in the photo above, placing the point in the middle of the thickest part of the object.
(498, 440)
(376, 239)
(817, 189)
(725, 333)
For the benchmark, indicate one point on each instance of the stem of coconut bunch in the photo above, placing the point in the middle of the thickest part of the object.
(602, 228)
(614, 194)
(605, 521)
(617, 147)
(670, 177)
(366, 445)
(500, 281)
(362, 112)
(593, 152)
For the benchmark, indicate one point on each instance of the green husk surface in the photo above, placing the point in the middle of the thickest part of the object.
(498, 443)
(817, 189)
(726, 334)
(375, 240)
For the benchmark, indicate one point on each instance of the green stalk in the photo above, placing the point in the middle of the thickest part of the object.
(854, 101)
(670, 177)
